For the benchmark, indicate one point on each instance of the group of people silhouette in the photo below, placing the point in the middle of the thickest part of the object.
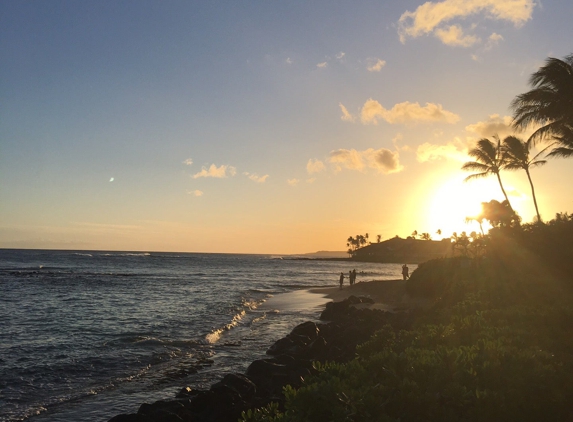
(351, 277)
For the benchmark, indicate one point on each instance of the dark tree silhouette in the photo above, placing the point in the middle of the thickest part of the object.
(550, 104)
(516, 157)
(489, 159)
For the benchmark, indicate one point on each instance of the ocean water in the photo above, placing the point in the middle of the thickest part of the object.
(88, 335)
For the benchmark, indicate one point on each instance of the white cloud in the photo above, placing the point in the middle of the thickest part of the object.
(322, 65)
(293, 182)
(196, 192)
(340, 55)
(455, 150)
(375, 65)
(406, 112)
(428, 17)
(256, 178)
(288, 60)
(346, 116)
(188, 162)
(494, 125)
(315, 166)
(383, 160)
(218, 172)
(493, 40)
(454, 36)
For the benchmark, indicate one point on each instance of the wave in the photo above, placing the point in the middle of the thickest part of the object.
(246, 305)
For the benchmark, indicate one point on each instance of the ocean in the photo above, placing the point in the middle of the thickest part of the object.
(87, 335)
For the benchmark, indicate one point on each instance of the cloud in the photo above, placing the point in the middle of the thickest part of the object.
(454, 36)
(188, 162)
(455, 150)
(288, 60)
(322, 65)
(493, 40)
(375, 66)
(218, 172)
(406, 112)
(428, 17)
(196, 192)
(494, 125)
(293, 182)
(346, 116)
(383, 160)
(256, 178)
(340, 55)
(315, 166)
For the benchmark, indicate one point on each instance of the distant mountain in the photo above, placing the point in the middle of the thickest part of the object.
(324, 254)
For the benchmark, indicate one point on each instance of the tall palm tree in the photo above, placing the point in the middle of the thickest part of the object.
(565, 140)
(489, 159)
(516, 157)
(549, 103)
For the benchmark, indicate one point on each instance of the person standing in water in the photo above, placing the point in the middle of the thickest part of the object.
(341, 280)
(405, 272)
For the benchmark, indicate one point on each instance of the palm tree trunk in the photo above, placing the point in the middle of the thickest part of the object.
(533, 194)
(503, 190)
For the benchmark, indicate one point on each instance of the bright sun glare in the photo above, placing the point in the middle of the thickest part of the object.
(455, 200)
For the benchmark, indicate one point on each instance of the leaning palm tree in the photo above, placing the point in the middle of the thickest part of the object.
(549, 103)
(489, 159)
(516, 157)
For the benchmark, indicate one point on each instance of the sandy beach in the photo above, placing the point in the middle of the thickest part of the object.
(388, 295)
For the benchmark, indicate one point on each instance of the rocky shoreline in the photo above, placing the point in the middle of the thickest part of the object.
(290, 362)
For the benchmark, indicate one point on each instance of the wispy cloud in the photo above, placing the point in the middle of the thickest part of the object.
(288, 60)
(455, 150)
(188, 162)
(315, 166)
(454, 36)
(493, 125)
(293, 182)
(218, 172)
(196, 192)
(493, 40)
(340, 55)
(256, 178)
(383, 160)
(322, 65)
(375, 65)
(346, 116)
(431, 16)
(406, 112)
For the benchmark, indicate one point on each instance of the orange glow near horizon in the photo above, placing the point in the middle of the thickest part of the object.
(455, 200)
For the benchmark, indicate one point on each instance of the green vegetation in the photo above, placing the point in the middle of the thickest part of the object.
(496, 344)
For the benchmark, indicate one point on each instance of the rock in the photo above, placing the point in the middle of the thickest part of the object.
(308, 329)
(240, 384)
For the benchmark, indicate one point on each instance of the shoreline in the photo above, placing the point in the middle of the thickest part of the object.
(388, 295)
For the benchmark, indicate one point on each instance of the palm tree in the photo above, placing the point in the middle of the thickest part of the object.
(565, 139)
(489, 159)
(549, 103)
(516, 157)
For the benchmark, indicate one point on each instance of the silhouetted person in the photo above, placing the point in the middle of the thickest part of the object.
(354, 276)
(350, 280)
(405, 272)
(341, 279)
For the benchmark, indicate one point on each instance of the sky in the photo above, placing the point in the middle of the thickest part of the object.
(262, 126)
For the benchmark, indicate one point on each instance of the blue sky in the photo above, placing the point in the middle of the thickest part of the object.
(260, 127)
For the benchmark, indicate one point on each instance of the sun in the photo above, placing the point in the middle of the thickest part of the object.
(454, 201)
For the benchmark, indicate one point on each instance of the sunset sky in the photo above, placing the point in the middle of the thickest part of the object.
(261, 126)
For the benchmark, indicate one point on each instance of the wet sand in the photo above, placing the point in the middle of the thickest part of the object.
(389, 295)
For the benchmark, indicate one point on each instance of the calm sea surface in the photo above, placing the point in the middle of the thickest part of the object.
(88, 335)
